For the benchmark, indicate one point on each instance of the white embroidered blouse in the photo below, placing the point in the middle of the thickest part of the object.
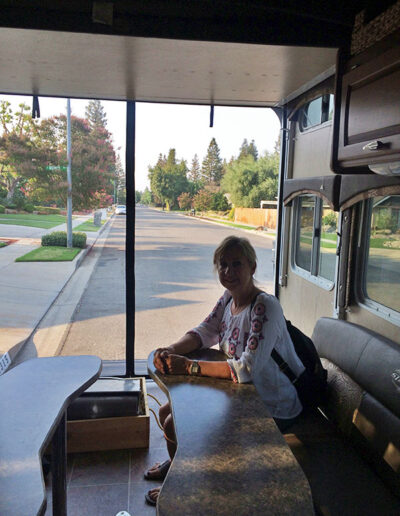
(248, 339)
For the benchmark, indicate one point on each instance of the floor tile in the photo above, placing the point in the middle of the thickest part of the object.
(142, 460)
(100, 500)
(94, 468)
(137, 504)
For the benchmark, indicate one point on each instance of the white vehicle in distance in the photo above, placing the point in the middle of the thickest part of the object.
(120, 209)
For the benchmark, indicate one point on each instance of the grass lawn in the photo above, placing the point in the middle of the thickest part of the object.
(50, 254)
(88, 226)
(31, 220)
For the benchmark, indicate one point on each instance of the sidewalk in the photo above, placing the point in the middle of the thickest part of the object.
(28, 289)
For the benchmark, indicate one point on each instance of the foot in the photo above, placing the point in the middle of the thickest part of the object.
(158, 471)
(152, 496)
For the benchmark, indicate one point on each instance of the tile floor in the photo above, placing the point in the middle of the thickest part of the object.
(104, 483)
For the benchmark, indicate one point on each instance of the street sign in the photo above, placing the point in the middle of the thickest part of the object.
(54, 167)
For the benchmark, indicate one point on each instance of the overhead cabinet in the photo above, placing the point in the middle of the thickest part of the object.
(367, 110)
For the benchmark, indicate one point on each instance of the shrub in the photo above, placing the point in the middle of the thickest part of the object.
(386, 221)
(202, 200)
(47, 210)
(185, 201)
(29, 208)
(231, 215)
(2, 208)
(219, 202)
(59, 238)
(11, 206)
(330, 220)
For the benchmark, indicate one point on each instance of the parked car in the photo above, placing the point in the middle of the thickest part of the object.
(120, 210)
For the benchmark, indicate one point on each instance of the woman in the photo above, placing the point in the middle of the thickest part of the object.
(248, 324)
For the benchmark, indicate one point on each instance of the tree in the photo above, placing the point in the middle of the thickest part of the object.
(247, 149)
(24, 157)
(95, 114)
(212, 163)
(252, 150)
(168, 179)
(120, 182)
(93, 162)
(194, 172)
(146, 197)
(249, 181)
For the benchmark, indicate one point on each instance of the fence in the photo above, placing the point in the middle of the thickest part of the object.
(257, 217)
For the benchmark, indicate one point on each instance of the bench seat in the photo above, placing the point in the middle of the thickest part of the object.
(350, 449)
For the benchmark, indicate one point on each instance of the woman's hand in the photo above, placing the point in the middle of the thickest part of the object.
(177, 364)
(159, 359)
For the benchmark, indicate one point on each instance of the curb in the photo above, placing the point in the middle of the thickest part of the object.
(88, 248)
(213, 221)
(19, 347)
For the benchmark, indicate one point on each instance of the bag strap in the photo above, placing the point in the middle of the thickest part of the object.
(282, 364)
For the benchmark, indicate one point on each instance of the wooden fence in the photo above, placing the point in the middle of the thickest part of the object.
(256, 217)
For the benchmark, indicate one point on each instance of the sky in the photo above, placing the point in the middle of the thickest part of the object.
(160, 127)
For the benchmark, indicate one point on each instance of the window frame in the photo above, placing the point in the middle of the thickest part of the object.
(324, 118)
(313, 275)
(362, 253)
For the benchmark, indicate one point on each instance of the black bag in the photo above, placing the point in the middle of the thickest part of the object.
(311, 384)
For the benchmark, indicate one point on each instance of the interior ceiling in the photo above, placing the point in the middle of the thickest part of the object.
(66, 64)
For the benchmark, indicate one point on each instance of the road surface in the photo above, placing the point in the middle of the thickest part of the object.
(176, 286)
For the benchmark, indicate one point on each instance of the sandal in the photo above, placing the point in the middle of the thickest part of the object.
(149, 499)
(158, 471)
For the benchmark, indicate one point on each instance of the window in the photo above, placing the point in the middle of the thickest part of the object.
(315, 239)
(316, 112)
(304, 240)
(381, 279)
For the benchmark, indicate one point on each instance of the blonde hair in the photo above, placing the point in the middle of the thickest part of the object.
(234, 241)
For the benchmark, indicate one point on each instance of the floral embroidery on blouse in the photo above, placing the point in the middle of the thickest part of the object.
(214, 311)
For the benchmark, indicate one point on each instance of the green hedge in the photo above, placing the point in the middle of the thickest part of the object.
(29, 208)
(59, 238)
(2, 209)
(46, 210)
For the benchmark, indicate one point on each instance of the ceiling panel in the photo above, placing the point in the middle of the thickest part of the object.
(69, 64)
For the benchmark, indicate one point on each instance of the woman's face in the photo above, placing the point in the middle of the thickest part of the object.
(234, 271)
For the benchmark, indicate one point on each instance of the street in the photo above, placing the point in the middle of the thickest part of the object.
(176, 286)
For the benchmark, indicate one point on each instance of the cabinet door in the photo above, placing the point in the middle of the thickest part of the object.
(369, 126)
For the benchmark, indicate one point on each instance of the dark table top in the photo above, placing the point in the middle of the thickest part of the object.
(231, 458)
(34, 396)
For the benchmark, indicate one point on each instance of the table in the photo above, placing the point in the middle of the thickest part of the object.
(231, 458)
(33, 402)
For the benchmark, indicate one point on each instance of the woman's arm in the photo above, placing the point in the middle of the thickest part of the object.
(177, 364)
(189, 342)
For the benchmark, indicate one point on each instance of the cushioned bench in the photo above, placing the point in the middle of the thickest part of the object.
(350, 451)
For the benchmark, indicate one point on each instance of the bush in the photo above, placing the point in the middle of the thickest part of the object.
(59, 238)
(330, 220)
(47, 210)
(2, 208)
(11, 206)
(29, 208)
(231, 215)
(219, 202)
(385, 221)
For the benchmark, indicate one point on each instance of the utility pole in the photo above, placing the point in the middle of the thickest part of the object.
(69, 177)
